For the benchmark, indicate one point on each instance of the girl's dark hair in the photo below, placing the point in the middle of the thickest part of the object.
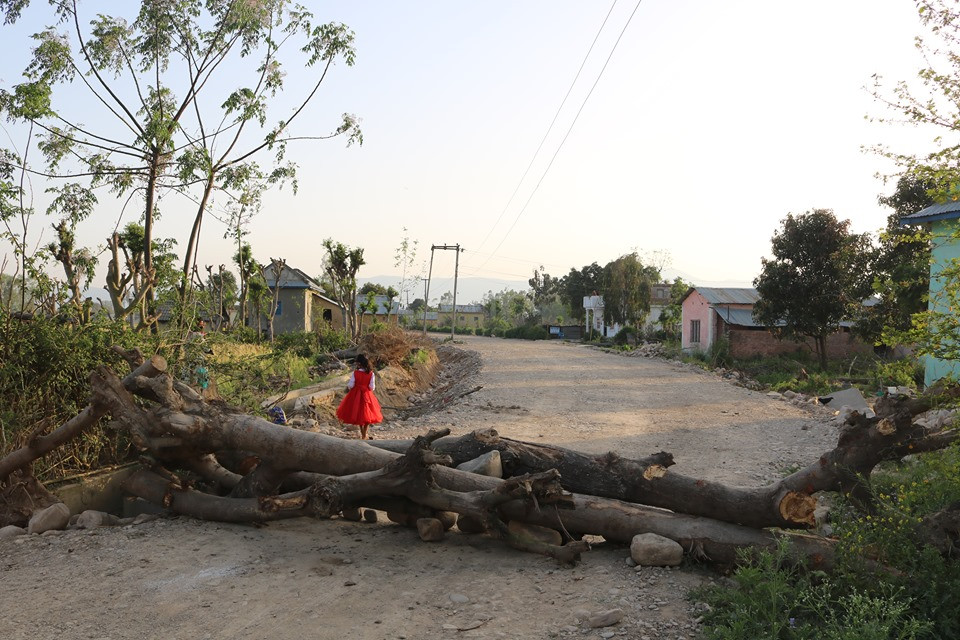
(362, 362)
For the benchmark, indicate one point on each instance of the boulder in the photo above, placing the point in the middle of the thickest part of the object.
(56, 516)
(91, 519)
(430, 529)
(11, 531)
(652, 550)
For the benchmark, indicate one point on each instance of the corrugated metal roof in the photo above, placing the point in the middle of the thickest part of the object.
(462, 308)
(744, 318)
(945, 211)
(728, 295)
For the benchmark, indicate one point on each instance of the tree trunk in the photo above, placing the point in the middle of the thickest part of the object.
(788, 503)
(180, 430)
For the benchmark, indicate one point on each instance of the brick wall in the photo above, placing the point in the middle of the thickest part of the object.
(746, 343)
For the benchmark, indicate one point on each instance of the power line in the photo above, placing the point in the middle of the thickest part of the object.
(567, 135)
(550, 128)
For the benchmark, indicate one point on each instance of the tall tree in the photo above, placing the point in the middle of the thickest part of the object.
(175, 114)
(627, 285)
(577, 284)
(817, 278)
(902, 264)
(341, 265)
(672, 314)
(404, 257)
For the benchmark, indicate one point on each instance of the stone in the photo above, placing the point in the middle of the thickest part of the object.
(774, 395)
(446, 518)
(56, 516)
(352, 514)
(469, 524)
(369, 515)
(11, 531)
(605, 618)
(144, 517)
(91, 519)
(458, 598)
(630, 561)
(789, 395)
(542, 534)
(430, 529)
(650, 549)
(488, 464)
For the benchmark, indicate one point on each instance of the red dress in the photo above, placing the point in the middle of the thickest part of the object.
(360, 406)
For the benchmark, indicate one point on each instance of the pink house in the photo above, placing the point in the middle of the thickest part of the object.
(712, 313)
(701, 324)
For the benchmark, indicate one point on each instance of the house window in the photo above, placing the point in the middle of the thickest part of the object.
(694, 331)
(328, 315)
(279, 307)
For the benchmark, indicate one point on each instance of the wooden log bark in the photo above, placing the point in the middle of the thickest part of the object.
(89, 416)
(787, 503)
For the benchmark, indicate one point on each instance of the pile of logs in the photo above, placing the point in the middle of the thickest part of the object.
(207, 460)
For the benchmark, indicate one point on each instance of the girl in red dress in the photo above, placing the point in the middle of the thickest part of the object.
(360, 406)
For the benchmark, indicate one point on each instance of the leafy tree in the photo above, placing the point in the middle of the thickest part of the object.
(369, 305)
(508, 308)
(627, 287)
(73, 203)
(247, 268)
(902, 264)
(175, 116)
(417, 304)
(341, 266)
(577, 284)
(129, 280)
(818, 277)
(374, 288)
(545, 289)
(404, 257)
(275, 271)
(933, 102)
(672, 314)
(221, 294)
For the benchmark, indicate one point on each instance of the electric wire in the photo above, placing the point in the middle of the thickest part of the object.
(550, 128)
(567, 135)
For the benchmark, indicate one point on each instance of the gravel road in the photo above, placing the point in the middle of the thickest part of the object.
(179, 578)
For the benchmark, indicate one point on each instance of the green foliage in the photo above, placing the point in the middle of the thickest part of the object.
(577, 284)
(627, 284)
(311, 344)
(341, 264)
(527, 333)
(931, 101)
(774, 599)
(817, 278)
(44, 368)
(910, 592)
(901, 268)
(624, 334)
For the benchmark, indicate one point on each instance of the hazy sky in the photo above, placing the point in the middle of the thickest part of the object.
(712, 121)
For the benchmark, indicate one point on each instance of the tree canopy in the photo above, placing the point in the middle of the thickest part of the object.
(177, 97)
(627, 285)
(817, 278)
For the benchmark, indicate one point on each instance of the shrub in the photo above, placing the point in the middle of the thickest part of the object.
(623, 336)
(909, 592)
(44, 368)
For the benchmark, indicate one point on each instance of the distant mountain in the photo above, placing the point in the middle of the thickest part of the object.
(469, 290)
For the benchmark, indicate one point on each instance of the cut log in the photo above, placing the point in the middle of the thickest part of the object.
(788, 503)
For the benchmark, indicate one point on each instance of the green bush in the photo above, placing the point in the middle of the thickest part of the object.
(527, 333)
(44, 369)
(623, 336)
(909, 590)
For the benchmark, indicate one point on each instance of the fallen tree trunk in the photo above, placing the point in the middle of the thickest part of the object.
(787, 503)
(181, 430)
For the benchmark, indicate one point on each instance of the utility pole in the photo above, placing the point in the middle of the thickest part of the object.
(426, 293)
(445, 247)
(456, 270)
(425, 289)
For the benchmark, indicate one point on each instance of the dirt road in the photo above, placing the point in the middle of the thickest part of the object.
(179, 578)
